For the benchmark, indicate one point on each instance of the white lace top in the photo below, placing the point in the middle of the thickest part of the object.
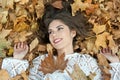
(86, 63)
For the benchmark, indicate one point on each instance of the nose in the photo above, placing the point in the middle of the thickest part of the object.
(54, 33)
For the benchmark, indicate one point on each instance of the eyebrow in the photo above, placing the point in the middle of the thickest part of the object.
(57, 26)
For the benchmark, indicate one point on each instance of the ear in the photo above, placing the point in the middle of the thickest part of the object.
(73, 33)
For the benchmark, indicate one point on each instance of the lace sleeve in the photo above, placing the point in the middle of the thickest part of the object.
(115, 71)
(14, 66)
(35, 74)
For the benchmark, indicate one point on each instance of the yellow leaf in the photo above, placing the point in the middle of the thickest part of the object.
(101, 40)
(112, 44)
(4, 33)
(98, 28)
(3, 16)
(3, 3)
(10, 3)
(4, 75)
(39, 9)
(33, 44)
(78, 5)
(23, 1)
(21, 26)
(10, 51)
(49, 48)
(41, 47)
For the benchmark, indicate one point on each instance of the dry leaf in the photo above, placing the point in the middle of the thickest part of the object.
(101, 40)
(112, 44)
(4, 75)
(49, 48)
(41, 47)
(52, 63)
(33, 44)
(104, 66)
(98, 28)
(78, 5)
(78, 74)
(21, 26)
(22, 76)
(3, 16)
(4, 33)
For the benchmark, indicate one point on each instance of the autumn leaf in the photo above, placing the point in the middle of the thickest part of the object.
(78, 5)
(101, 40)
(104, 66)
(5, 33)
(33, 44)
(78, 74)
(4, 44)
(22, 76)
(98, 28)
(112, 44)
(52, 63)
(4, 75)
(3, 16)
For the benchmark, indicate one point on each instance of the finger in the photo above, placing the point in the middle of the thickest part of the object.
(21, 45)
(103, 50)
(15, 46)
(18, 45)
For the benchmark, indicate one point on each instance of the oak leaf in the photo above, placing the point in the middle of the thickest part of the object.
(51, 63)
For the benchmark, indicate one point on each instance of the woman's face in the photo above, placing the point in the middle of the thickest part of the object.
(60, 36)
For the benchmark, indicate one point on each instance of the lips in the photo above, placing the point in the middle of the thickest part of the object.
(57, 40)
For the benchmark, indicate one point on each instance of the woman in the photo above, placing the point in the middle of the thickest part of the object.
(61, 29)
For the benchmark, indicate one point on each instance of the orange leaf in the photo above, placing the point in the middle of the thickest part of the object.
(52, 63)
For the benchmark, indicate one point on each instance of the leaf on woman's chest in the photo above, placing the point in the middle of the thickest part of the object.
(78, 74)
(51, 63)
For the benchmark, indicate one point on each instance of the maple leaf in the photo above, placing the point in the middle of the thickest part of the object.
(78, 5)
(52, 63)
(98, 28)
(101, 40)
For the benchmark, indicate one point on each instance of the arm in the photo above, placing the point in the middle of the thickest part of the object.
(114, 63)
(16, 65)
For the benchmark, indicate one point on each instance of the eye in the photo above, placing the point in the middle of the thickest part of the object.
(49, 32)
(60, 28)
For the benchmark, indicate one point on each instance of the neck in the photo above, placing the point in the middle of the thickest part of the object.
(67, 50)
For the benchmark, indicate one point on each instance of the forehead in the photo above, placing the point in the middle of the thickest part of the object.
(56, 23)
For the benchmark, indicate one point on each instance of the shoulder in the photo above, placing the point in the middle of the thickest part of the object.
(80, 56)
(38, 59)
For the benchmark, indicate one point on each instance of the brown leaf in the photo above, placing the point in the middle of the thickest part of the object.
(52, 63)
(104, 66)
(78, 74)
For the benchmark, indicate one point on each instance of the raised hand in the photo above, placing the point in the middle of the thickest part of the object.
(20, 50)
(107, 52)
